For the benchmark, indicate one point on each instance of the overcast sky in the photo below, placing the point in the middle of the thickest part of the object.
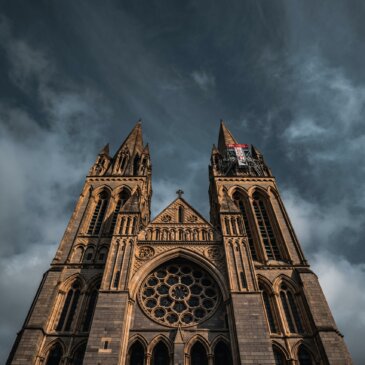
(287, 76)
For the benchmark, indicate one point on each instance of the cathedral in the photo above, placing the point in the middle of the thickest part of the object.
(125, 289)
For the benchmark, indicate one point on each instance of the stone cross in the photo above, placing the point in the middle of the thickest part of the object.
(179, 193)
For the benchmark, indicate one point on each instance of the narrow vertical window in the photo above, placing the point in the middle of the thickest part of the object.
(136, 354)
(69, 308)
(116, 279)
(99, 213)
(228, 229)
(79, 354)
(160, 355)
(291, 311)
(304, 356)
(134, 225)
(55, 355)
(90, 311)
(266, 229)
(198, 355)
(279, 357)
(127, 228)
(268, 309)
(136, 165)
(180, 214)
(239, 201)
(122, 198)
(234, 228)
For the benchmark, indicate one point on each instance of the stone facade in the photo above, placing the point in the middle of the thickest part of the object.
(123, 289)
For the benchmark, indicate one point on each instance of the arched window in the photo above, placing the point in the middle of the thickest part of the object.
(239, 202)
(102, 254)
(55, 355)
(228, 227)
(79, 354)
(278, 356)
(136, 165)
(304, 356)
(234, 228)
(160, 355)
(136, 354)
(69, 308)
(90, 311)
(222, 354)
(124, 161)
(89, 254)
(266, 228)
(290, 309)
(268, 309)
(122, 198)
(99, 213)
(198, 355)
(77, 255)
(180, 214)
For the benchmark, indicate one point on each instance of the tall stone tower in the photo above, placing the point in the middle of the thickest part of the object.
(125, 290)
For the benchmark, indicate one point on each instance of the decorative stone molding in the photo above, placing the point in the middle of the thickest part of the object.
(145, 252)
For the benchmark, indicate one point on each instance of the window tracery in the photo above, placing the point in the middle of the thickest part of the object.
(269, 310)
(266, 228)
(55, 355)
(179, 293)
(98, 214)
(121, 200)
(291, 312)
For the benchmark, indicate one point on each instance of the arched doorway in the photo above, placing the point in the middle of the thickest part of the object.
(136, 354)
(160, 355)
(55, 355)
(222, 354)
(198, 355)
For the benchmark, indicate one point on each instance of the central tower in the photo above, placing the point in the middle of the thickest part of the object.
(178, 290)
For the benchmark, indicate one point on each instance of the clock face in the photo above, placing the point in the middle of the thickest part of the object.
(179, 294)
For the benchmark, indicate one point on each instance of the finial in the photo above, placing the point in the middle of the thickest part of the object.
(179, 193)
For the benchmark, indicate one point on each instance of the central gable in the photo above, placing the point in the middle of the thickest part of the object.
(179, 212)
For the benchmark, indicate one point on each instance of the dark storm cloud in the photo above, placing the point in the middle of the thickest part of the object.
(286, 75)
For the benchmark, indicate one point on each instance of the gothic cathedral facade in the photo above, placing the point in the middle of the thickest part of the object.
(123, 289)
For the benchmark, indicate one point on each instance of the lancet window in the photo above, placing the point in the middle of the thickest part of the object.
(160, 355)
(99, 213)
(266, 228)
(136, 354)
(239, 200)
(279, 356)
(304, 356)
(55, 355)
(69, 308)
(136, 165)
(198, 355)
(290, 308)
(269, 310)
(79, 354)
(121, 200)
(181, 214)
(90, 310)
(222, 354)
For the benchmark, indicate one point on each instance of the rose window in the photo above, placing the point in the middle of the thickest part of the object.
(179, 294)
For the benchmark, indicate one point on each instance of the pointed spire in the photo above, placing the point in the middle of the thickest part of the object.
(225, 137)
(105, 150)
(214, 149)
(134, 141)
(146, 150)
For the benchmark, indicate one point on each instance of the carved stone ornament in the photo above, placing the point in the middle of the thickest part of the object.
(192, 218)
(145, 252)
(214, 253)
(166, 218)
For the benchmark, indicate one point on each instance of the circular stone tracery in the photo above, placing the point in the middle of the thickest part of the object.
(179, 293)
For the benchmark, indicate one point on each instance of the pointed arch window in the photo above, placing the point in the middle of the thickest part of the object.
(304, 356)
(238, 198)
(222, 354)
(198, 355)
(136, 354)
(136, 164)
(90, 311)
(69, 308)
(279, 356)
(266, 228)
(121, 200)
(99, 213)
(290, 309)
(269, 310)
(180, 214)
(160, 355)
(55, 355)
(228, 227)
(78, 356)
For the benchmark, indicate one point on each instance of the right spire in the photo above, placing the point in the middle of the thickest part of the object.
(225, 137)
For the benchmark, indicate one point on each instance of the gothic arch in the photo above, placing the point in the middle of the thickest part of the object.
(282, 278)
(258, 189)
(89, 250)
(156, 340)
(238, 189)
(302, 343)
(77, 253)
(66, 284)
(266, 283)
(119, 190)
(193, 340)
(99, 189)
(173, 254)
(75, 349)
(218, 339)
(47, 348)
(138, 338)
(281, 349)
(104, 249)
